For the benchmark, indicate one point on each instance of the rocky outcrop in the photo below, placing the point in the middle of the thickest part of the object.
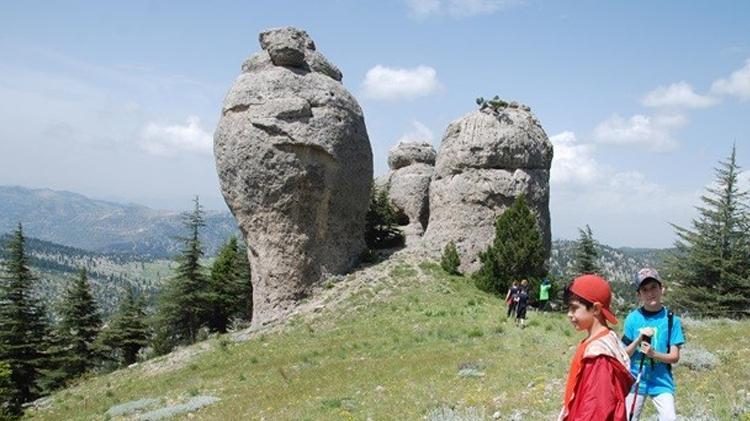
(408, 182)
(486, 160)
(295, 166)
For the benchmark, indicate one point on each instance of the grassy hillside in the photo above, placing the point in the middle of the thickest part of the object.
(397, 340)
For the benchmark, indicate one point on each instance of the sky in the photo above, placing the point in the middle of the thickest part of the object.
(641, 99)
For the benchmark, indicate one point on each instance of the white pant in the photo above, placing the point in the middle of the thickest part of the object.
(664, 404)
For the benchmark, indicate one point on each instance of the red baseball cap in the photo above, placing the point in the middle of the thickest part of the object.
(595, 289)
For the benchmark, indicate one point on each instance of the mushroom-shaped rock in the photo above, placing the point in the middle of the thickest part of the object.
(408, 184)
(486, 160)
(295, 167)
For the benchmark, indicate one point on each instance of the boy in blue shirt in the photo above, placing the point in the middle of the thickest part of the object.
(653, 346)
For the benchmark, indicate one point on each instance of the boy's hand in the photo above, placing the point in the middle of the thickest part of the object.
(646, 349)
(644, 335)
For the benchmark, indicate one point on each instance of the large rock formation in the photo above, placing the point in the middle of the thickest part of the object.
(295, 166)
(408, 182)
(486, 160)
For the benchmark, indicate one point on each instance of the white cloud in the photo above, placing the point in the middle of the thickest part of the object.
(573, 163)
(652, 132)
(166, 140)
(679, 94)
(743, 182)
(422, 9)
(393, 83)
(636, 209)
(419, 133)
(738, 83)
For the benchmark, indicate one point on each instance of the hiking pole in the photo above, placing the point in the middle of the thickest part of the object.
(647, 339)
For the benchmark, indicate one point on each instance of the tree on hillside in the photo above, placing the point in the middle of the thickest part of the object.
(80, 325)
(230, 291)
(711, 264)
(450, 261)
(381, 229)
(587, 253)
(6, 389)
(127, 332)
(182, 304)
(516, 253)
(22, 325)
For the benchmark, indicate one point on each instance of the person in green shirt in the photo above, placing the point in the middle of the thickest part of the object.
(544, 288)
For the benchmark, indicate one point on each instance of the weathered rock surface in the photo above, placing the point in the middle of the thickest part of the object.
(408, 184)
(295, 166)
(486, 160)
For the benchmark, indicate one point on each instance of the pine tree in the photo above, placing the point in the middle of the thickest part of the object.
(587, 252)
(229, 287)
(22, 325)
(711, 265)
(182, 306)
(517, 251)
(80, 325)
(381, 229)
(6, 390)
(450, 260)
(128, 332)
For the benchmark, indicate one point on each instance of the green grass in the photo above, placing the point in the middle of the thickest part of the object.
(400, 357)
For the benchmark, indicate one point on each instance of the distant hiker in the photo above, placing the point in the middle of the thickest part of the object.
(654, 335)
(511, 298)
(599, 377)
(523, 303)
(544, 288)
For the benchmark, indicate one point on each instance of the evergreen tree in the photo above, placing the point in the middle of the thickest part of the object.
(80, 325)
(381, 229)
(229, 287)
(587, 252)
(516, 253)
(22, 325)
(450, 260)
(128, 332)
(58, 353)
(182, 306)
(6, 390)
(711, 266)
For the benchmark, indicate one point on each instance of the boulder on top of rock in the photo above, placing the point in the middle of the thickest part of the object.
(487, 159)
(295, 167)
(408, 153)
(408, 184)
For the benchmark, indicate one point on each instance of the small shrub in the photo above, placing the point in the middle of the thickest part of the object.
(449, 413)
(172, 410)
(131, 407)
(698, 359)
(471, 370)
(450, 260)
(476, 332)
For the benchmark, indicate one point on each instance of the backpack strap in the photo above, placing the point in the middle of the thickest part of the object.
(670, 322)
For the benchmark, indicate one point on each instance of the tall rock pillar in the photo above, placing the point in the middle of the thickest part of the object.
(295, 166)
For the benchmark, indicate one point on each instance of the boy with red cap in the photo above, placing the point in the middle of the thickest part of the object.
(599, 377)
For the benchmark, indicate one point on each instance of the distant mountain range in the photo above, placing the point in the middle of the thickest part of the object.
(616, 264)
(77, 221)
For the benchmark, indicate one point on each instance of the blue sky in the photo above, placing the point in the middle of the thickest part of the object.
(641, 99)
